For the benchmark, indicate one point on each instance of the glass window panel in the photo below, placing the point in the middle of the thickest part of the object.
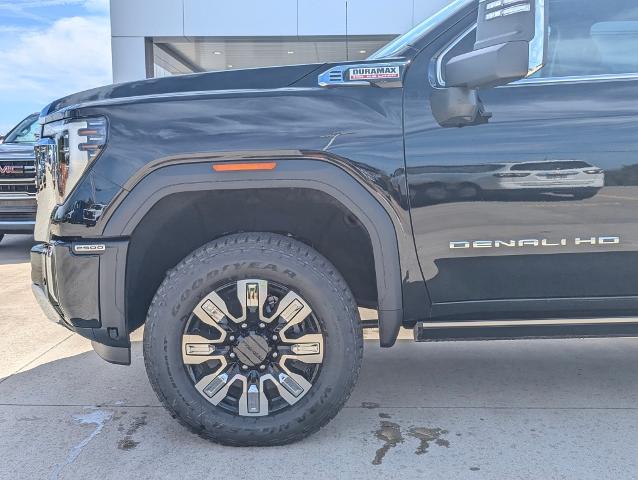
(174, 56)
(585, 38)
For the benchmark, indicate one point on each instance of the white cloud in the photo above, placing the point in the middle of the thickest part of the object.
(70, 55)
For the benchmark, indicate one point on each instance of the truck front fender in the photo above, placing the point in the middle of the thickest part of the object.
(195, 173)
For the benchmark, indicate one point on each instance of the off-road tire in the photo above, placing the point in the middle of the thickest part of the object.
(274, 258)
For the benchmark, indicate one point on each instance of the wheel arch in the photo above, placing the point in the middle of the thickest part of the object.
(195, 174)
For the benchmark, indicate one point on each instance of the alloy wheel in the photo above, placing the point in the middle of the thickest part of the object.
(253, 347)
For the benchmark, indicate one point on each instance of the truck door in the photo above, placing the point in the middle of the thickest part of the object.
(533, 213)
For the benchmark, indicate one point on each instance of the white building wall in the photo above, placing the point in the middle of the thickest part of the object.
(129, 58)
(133, 20)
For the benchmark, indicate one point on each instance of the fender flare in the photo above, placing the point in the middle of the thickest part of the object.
(196, 174)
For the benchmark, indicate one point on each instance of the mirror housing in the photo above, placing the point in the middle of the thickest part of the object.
(511, 39)
(458, 107)
(1, 138)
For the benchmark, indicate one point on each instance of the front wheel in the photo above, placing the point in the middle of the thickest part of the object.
(254, 339)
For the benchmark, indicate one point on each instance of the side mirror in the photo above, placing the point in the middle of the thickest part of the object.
(1, 138)
(511, 39)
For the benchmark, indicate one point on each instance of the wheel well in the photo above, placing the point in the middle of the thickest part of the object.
(183, 222)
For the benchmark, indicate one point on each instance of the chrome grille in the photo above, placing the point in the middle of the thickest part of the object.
(21, 188)
(17, 216)
(12, 169)
(17, 176)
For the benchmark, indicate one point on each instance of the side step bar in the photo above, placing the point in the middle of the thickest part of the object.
(433, 331)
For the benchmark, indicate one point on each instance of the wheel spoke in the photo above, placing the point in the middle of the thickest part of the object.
(252, 295)
(307, 349)
(210, 385)
(215, 386)
(291, 386)
(293, 310)
(197, 349)
(253, 401)
(212, 310)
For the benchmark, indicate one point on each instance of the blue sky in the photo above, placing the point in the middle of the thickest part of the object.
(48, 49)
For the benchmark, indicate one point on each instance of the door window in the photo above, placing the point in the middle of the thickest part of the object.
(586, 38)
(592, 38)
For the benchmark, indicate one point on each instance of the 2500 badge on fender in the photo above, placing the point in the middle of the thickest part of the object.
(243, 217)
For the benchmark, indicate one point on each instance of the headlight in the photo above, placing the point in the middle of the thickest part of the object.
(65, 150)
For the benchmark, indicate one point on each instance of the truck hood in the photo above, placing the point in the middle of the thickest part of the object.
(16, 151)
(256, 78)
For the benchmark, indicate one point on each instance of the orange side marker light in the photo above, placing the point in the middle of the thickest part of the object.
(243, 167)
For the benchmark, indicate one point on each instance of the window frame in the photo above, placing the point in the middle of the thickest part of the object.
(568, 80)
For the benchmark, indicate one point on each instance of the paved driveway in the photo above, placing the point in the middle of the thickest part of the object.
(483, 410)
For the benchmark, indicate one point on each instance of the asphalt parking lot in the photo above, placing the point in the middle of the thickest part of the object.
(548, 409)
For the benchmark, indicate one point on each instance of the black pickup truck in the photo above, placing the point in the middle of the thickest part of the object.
(477, 178)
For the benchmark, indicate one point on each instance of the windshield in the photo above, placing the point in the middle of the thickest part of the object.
(25, 132)
(400, 44)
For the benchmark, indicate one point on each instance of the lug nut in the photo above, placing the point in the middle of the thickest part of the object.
(262, 325)
(262, 367)
(232, 355)
(244, 367)
(244, 325)
(275, 354)
(232, 338)
(275, 337)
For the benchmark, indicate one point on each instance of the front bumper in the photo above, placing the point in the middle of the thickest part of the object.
(17, 226)
(80, 285)
(17, 213)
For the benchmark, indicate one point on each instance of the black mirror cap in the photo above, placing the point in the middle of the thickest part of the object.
(489, 67)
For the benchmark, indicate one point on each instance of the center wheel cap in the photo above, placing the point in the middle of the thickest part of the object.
(252, 350)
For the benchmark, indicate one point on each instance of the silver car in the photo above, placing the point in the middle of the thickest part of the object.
(438, 183)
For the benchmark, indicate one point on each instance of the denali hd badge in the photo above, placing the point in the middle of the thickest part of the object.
(374, 73)
(535, 242)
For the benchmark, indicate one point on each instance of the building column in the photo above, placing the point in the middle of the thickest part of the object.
(132, 58)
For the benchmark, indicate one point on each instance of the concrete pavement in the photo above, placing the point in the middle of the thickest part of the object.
(547, 409)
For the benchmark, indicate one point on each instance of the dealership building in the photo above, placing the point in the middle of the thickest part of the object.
(155, 38)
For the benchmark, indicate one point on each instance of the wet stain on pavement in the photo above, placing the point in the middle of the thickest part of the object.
(475, 469)
(127, 443)
(390, 434)
(385, 415)
(428, 435)
(370, 405)
(29, 419)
